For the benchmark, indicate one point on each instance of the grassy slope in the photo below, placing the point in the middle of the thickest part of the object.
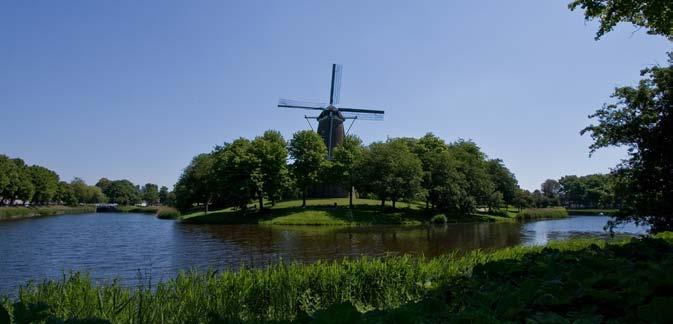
(576, 280)
(323, 212)
(25, 212)
(592, 212)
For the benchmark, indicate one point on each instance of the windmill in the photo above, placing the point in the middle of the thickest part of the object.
(331, 118)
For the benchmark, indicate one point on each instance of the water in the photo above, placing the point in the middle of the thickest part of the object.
(130, 246)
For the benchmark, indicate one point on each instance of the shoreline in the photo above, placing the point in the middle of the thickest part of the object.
(14, 213)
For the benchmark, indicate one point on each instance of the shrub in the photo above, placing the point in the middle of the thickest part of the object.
(533, 213)
(167, 213)
(439, 219)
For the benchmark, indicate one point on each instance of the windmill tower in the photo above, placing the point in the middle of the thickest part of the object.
(331, 118)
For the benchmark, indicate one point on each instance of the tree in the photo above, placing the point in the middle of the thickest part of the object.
(65, 194)
(45, 183)
(391, 171)
(523, 199)
(270, 150)
(641, 119)
(150, 193)
(308, 152)
(550, 188)
(503, 179)
(238, 177)
(197, 183)
(122, 192)
(163, 195)
(472, 164)
(655, 15)
(346, 158)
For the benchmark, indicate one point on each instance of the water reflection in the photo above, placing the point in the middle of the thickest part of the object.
(126, 245)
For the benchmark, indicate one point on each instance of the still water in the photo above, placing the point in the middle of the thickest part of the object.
(132, 246)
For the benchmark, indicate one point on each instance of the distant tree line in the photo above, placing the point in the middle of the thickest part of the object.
(38, 185)
(456, 177)
(572, 191)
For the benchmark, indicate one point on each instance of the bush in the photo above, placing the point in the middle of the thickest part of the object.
(168, 213)
(534, 213)
(439, 219)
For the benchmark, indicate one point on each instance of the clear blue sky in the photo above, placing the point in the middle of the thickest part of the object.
(134, 89)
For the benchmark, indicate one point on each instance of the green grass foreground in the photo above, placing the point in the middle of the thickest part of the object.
(25, 212)
(570, 281)
(324, 212)
(537, 213)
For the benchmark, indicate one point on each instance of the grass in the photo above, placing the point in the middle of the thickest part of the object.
(167, 213)
(592, 212)
(576, 280)
(25, 212)
(138, 209)
(325, 212)
(537, 213)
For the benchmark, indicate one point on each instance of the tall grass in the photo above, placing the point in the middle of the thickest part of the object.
(278, 292)
(535, 213)
(167, 213)
(21, 212)
(137, 209)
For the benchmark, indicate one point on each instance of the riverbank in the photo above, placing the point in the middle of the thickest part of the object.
(593, 212)
(329, 212)
(541, 213)
(572, 280)
(7, 213)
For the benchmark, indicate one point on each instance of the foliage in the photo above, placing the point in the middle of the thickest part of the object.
(197, 183)
(45, 183)
(642, 120)
(167, 213)
(503, 179)
(533, 213)
(655, 15)
(590, 191)
(122, 192)
(150, 193)
(284, 292)
(21, 212)
(391, 171)
(346, 159)
(270, 151)
(308, 152)
(439, 219)
(572, 281)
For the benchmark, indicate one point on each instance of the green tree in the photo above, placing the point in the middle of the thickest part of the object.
(391, 171)
(163, 195)
(472, 164)
(654, 15)
(197, 183)
(270, 150)
(346, 158)
(122, 192)
(65, 194)
(641, 119)
(150, 193)
(238, 177)
(20, 185)
(503, 179)
(45, 183)
(308, 153)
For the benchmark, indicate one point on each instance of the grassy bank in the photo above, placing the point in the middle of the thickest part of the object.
(25, 212)
(333, 211)
(168, 213)
(585, 280)
(536, 213)
(592, 212)
(138, 209)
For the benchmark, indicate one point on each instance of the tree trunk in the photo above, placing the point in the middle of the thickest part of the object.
(350, 198)
(207, 203)
(383, 203)
(303, 198)
(261, 200)
(394, 203)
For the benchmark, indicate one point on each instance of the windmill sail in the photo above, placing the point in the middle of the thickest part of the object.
(289, 103)
(335, 88)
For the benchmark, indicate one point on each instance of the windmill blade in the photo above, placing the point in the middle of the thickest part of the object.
(361, 116)
(289, 103)
(335, 89)
(364, 111)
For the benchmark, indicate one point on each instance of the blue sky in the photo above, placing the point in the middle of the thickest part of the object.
(134, 89)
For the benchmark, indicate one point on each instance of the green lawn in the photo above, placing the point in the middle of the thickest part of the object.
(335, 211)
